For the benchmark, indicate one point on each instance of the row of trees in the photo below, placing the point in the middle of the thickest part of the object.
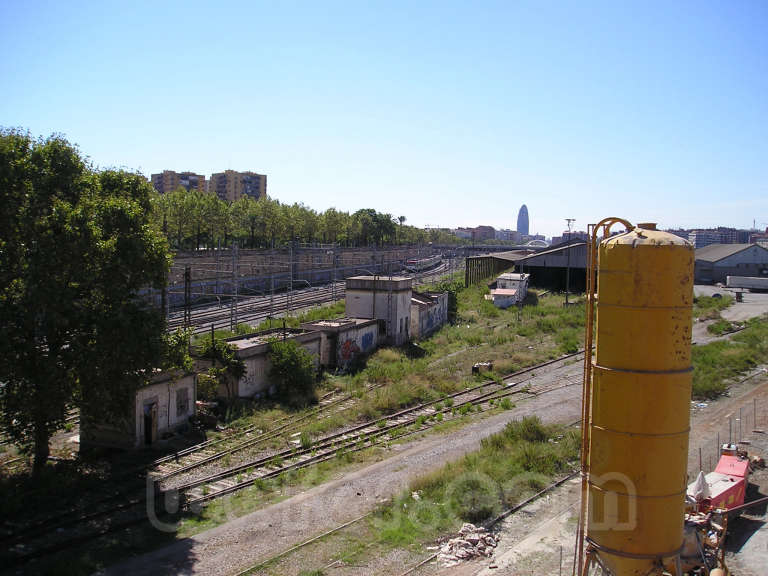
(195, 220)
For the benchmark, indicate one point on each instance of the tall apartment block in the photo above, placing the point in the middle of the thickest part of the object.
(168, 181)
(231, 185)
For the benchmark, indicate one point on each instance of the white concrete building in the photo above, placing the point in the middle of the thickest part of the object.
(164, 405)
(253, 350)
(511, 288)
(429, 311)
(386, 298)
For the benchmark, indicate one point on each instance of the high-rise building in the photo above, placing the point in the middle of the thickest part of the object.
(522, 220)
(231, 185)
(720, 235)
(169, 180)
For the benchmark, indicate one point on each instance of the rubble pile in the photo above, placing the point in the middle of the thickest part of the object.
(472, 542)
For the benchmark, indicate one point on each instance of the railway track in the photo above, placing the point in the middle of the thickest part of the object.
(119, 511)
(489, 524)
(73, 418)
(255, 309)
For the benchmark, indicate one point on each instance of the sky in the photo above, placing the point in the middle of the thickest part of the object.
(451, 114)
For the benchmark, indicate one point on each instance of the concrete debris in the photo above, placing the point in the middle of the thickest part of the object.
(472, 542)
(416, 496)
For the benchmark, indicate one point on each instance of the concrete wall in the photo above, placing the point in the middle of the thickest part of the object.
(255, 382)
(355, 342)
(426, 318)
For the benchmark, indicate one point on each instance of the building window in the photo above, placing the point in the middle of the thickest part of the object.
(182, 402)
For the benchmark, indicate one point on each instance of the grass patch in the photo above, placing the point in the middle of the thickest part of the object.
(509, 465)
(720, 327)
(708, 308)
(717, 362)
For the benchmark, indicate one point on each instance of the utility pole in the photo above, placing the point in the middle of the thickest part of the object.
(187, 296)
(568, 267)
(290, 282)
(218, 269)
(233, 305)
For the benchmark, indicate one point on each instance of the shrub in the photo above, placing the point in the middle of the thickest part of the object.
(292, 373)
(529, 429)
(474, 497)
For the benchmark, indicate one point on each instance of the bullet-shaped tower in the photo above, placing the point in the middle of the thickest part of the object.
(640, 398)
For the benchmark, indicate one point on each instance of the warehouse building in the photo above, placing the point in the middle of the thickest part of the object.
(717, 261)
(552, 268)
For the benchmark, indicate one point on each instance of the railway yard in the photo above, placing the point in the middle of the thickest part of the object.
(291, 492)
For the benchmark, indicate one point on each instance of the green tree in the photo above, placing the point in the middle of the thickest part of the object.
(231, 367)
(292, 373)
(76, 251)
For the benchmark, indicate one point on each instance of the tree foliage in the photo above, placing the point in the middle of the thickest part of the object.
(292, 373)
(76, 252)
(195, 220)
(231, 367)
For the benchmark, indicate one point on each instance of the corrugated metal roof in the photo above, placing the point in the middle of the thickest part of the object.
(560, 248)
(716, 252)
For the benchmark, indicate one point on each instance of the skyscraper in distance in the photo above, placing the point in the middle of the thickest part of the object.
(522, 220)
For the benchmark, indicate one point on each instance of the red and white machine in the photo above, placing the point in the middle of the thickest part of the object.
(724, 488)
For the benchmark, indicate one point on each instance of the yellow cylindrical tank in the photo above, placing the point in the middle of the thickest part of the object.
(641, 392)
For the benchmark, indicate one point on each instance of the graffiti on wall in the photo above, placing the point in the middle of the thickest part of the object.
(348, 350)
(367, 341)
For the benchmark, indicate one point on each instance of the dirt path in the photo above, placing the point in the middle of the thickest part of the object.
(262, 534)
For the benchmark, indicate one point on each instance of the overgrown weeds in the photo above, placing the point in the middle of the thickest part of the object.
(716, 363)
(521, 459)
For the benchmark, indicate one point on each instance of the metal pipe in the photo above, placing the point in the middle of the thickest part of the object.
(763, 500)
(587, 389)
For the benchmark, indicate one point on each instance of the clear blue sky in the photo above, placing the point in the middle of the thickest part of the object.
(452, 114)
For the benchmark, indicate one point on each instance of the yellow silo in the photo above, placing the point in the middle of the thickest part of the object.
(639, 402)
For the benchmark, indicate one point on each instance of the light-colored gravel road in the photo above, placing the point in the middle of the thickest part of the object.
(261, 534)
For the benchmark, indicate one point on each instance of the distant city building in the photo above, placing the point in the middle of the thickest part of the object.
(483, 233)
(477, 234)
(463, 233)
(231, 185)
(721, 235)
(572, 235)
(760, 238)
(679, 232)
(168, 181)
(508, 235)
(522, 220)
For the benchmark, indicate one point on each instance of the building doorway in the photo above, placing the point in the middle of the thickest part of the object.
(150, 423)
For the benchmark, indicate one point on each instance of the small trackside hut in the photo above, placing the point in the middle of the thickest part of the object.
(429, 311)
(253, 350)
(164, 405)
(511, 289)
